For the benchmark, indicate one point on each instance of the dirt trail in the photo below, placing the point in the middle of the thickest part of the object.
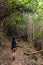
(6, 55)
(21, 59)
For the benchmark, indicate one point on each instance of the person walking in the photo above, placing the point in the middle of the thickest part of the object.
(13, 47)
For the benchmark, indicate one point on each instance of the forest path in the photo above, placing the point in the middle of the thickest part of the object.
(6, 57)
(21, 59)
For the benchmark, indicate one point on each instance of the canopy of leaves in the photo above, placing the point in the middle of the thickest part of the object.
(17, 7)
(31, 5)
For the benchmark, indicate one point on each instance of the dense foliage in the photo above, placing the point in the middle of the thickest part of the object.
(12, 13)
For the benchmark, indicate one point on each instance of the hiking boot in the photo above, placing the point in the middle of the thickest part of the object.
(13, 58)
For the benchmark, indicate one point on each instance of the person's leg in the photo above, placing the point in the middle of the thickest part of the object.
(14, 55)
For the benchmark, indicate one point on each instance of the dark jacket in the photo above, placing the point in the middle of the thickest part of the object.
(14, 44)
